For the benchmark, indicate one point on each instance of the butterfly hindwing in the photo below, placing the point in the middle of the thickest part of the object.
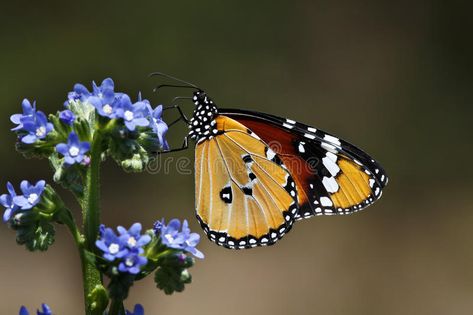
(244, 195)
(332, 175)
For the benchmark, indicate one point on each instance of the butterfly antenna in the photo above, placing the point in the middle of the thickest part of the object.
(167, 76)
(175, 86)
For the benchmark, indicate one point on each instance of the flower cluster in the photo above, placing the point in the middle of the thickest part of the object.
(32, 125)
(95, 125)
(14, 203)
(126, 247)
(133, 130)
(115, 105)
(174, 237)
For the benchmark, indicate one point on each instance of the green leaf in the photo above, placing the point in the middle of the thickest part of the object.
(36, 237)
(173, 274)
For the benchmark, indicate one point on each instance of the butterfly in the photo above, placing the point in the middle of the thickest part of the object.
(256, 174)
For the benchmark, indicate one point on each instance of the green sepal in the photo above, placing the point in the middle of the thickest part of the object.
(172, 274)
(126, 150)
(36, 237)
(83, 130)
(71, 177)
(98, 300)
(83, 111)
(40, 149)
(149, 141)
(61, 129)
(50, 202)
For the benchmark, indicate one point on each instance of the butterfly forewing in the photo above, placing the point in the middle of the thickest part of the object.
(332, 175)
(244, 195)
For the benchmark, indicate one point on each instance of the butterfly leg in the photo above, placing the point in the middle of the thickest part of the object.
(184, 146)
(182, 117)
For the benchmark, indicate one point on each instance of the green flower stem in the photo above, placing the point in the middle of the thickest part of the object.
(91, 202)
(91, 219)
(91, 276)
(116, 307)
(65, 216)
(92, 279)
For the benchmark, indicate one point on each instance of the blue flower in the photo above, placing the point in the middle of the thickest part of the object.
(104, 99)
(158, 125)
(6, 200)
(132, 262)
(28, 111)
(31, 194)
(111, 245)
(139, 310)
(134, 115)
(67, 117)
(191, 241)
(37, 126)
(127, 247)
(172, 237)
(79, 93)
(74, 150)
(134, 239)
(45, 310)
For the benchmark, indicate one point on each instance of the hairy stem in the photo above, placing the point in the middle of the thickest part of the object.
(91, 219)
(91, 202)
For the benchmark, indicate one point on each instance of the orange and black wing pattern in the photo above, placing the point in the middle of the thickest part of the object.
(332, 176)
(245, 197)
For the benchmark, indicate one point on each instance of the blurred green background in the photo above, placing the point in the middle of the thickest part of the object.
(393, 77)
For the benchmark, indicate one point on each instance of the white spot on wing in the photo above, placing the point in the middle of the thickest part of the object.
(310, 136)
(330, 184)
(331, 166)
(270, 154)
(331, 156)
(326, 202)
(329, 147)
(301, 147)
(332, 139)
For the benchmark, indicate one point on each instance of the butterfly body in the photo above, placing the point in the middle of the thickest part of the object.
(256, 174)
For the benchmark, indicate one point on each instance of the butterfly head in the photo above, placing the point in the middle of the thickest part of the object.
(202, 124)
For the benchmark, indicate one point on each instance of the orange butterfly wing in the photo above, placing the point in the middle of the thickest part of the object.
(244, 197)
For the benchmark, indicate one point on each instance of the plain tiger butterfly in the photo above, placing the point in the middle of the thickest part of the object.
(256, 174)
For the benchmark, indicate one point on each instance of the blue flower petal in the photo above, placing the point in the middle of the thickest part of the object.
(46, 310)
(29, 139)
(7, 214)
(62, 148)
(24, 311)
(5, 200)
(22, 202)
(16, 119)
(39, 187)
